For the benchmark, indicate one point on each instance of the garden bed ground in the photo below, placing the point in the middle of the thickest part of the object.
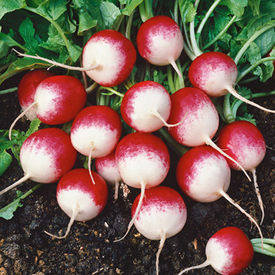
(90, 248)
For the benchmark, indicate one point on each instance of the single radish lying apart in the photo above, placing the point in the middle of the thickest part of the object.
(244, 142)
(96, 131)
(107, 168)
(162, 215)
(201, 119)
(228, 251)
(160, 41)
(146, 106)
(216, 74)
(204, 174)
(143, 162)
(45, 156)
(27, 89)
(57, 100)
(79, 198)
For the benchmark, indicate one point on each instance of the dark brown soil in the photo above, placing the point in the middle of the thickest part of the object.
(90, 247)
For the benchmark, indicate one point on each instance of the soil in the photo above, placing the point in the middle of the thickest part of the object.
(90, 248)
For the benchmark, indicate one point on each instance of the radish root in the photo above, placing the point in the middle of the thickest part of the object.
(161, 244)
(157, 114)
(24, 178)
(206, 263)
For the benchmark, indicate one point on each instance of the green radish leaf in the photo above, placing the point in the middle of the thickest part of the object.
(5, 161)
(11, 5)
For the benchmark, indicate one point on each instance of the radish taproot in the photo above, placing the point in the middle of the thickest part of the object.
(203, 174)
(146, 107)
(108, 58)
(244, 142)
(199, 119)
(57, 100)
(162, 215)
(96, 131)
(45, 156)
(143, 162)
(27, 89)
(160, 41)
(216, 74)
(228, 251)
(107, 168)
(79, 198)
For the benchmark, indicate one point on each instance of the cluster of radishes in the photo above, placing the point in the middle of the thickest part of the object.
(141, 159)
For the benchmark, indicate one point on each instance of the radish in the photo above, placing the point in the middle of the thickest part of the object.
(201, 119)
(57, 100)
(45, 156)
(146, 106)
(162, 215)
(108, 58)
(244, 142)
(228, 251)
(143, 162)
(204, 174)
(27, 88)
(79, 198)
(216, 74)
(160, 41)
(96, 131)
(107, 168)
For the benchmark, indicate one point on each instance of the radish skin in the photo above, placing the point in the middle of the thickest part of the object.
(228, 251)
(45, 156)
(143, 162)
(244, 142)
(162, 215)
(216, 74)
(79, 198)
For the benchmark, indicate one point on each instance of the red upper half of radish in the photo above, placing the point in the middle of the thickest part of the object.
(163, 210)
(59, 99)
(114, 54)
(97, 128)
(142, 158)
(47, 154)
(76, 189)
(213, 72)
(244, 142)
(27, 89)
(229, 251)
(141, 103)
(201, 119)
(159, 40)
(202, 172)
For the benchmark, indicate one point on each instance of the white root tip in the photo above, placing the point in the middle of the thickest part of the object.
(24, 178)
(72, 219)
(89, 165)
(206, 263)
(257, 191)
(174, 65)
(161, 244)
(232, 91)
(226, 196)
(210, 142)
(157, 114)
(142, 193)
(116, 191)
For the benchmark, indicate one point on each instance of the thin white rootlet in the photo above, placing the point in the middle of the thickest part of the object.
(69, 198)
(109, 57)
(152, 220)
(109, 172)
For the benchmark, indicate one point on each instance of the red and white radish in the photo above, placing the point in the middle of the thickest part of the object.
(143, 162)
(79, 198)
(160, 41)
(108, 58)
(45, 156)
(216, 74)
(57, 100)
(27, 88)
(204, 175)
(107, 168)
(96, 131)
(244, 142)
(146, 106)
(228, 251)
(162, 215)
(201, 119)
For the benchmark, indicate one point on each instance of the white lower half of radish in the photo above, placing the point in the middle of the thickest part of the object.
(101, 140)
(69, 199)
